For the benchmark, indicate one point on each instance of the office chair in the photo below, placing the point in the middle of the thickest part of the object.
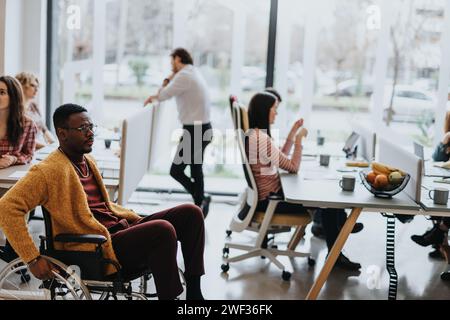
(248, 218)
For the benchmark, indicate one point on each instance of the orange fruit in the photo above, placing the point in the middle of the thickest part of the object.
(381, 181)
(371, 177)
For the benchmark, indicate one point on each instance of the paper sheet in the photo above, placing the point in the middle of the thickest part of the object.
(18, 174)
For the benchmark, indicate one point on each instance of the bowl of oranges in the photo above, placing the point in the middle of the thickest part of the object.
(384, 181)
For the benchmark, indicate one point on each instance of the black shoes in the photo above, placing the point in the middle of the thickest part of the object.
(205, 205)
(445, 276)
(434, 236)
(436, 253)
(344, 263)
(358, 227)
(317, 229)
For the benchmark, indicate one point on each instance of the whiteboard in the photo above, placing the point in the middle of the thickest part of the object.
(135, 152)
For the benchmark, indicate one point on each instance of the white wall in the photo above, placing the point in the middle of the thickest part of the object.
(2, 35)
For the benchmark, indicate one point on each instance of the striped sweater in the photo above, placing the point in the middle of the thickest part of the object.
(265, 158)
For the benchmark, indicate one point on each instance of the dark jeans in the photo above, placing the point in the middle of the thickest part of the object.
(190, 152)
(332, 220)
(152, 243)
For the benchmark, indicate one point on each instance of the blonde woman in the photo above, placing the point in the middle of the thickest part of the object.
(30, 87)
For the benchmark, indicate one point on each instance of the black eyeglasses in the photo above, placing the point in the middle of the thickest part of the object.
(85, 128)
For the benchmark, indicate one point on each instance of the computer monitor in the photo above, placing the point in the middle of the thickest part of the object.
(135, 152)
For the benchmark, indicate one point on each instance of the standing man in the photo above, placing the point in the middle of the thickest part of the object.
(193, 103)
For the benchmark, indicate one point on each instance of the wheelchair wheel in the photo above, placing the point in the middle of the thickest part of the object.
(66, 285)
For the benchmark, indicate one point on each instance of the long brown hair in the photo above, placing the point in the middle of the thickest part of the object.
(259, 111)
(16, 119)
(447, 122)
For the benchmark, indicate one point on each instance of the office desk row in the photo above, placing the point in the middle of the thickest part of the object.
(317, 186)
(107, 162)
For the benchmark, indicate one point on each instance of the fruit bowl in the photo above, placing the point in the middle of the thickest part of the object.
(386, 192)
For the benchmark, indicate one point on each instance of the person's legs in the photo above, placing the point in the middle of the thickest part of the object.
(202, 136)
(179, 164)
(187, 222)
(332, 224)
(153, 245)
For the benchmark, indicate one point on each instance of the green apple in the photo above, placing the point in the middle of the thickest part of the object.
(395, 178)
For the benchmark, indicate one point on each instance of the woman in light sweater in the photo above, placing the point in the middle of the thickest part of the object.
(30, 86)
(265, 158)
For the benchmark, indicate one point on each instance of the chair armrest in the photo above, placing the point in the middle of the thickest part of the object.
(81, 238)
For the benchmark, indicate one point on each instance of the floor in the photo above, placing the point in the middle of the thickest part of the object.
(255, 278)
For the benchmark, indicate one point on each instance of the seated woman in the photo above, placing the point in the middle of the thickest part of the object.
(435, 235)
(30, 86)
(17, 135)
(265, 158)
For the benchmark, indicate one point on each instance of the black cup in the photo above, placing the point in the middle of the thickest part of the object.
(107, 143)
(320, 141)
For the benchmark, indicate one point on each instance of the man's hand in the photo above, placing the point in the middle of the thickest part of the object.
(42, 269)
(7, 160)
(150, 100)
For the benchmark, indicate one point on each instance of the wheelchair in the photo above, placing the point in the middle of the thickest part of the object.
(78, 276)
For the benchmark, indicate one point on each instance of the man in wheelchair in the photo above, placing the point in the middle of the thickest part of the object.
(69, 186)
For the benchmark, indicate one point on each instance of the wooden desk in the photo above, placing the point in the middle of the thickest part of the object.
(328, 194)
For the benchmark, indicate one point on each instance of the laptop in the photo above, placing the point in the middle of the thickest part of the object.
(428, 168)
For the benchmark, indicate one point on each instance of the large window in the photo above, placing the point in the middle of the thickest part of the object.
(345, 58)
(120, 54)
(414, 59)
(325, 63)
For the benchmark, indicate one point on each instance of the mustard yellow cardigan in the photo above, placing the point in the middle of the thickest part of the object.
(55, 185)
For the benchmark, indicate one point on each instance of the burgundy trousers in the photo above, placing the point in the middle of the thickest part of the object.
(151, 243)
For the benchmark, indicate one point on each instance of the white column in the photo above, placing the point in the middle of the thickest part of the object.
(237, 50)
(166, 114)
(98, 59)
(381, 63)
(2, 35)
(35, 44)
(180, 9)
(444, 77)
(282, 62)
(309, 60)
(14, 26)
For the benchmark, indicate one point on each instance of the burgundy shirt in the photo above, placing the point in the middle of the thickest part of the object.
(97, 204)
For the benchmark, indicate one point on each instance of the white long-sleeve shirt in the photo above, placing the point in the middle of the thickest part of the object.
(191, 94)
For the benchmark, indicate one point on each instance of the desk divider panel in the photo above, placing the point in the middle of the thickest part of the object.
(135, 152)
(400, 158)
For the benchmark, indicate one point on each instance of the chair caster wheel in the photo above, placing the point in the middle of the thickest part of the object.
(311, 262)
(274, 246)
(229, 232)
(286, 275)
(225, 267)
(225, 251)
